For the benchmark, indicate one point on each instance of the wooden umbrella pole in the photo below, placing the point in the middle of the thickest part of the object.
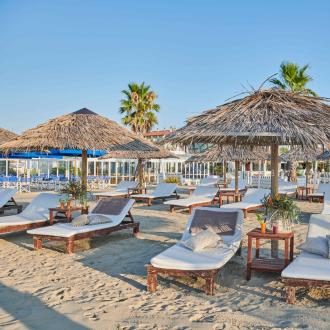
(236, 178)
(274, 189)
(274, 169)
(224, 174)
(84, 169)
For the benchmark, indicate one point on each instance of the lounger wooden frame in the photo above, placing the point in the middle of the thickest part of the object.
(11, 205)
(251, 208)
(209, 275)
(190, 207)
(292, 283)
(125, 224)
(17, 228)
(149, 200)
(123, 195)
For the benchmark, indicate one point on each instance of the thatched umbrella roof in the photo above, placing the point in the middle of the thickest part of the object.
(265, 117)
(6, 135)
(230, 153)
(261, 118)
(82, 130)
(301, 154)
(131, 152)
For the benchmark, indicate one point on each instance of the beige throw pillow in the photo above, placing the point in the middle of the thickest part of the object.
(96, 219)
(79, 221)
(206, 239)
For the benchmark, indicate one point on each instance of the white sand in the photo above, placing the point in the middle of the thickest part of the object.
(102, 286)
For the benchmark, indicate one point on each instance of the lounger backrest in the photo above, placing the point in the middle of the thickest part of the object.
(164, 189)
(238, 234)
(115, 217)
(6, 195)
(319, 225)
(125, 185)
(241, 184)
(39, 206)
(209, 180)
(205, 191)
(255, 195)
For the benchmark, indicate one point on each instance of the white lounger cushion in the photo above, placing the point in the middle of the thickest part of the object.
(121, 189)
(6, 195)
(202, 194)
(67, 230)
(307, 265)
(210, 180)
(162, 190)
(180, 257)
(36, 211)
(252, 198)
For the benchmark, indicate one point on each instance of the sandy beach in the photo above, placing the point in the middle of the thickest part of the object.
(102, 285)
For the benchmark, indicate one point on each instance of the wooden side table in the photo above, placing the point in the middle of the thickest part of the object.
(266, 264)
(67, 212)
(316, 197)
(303, 192)
(237, 197)
(133, 191)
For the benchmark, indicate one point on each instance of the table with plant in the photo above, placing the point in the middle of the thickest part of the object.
(276, 224)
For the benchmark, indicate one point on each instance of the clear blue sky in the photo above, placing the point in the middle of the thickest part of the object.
(57, 56)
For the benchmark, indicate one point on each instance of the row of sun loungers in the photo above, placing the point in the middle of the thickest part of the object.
(183, 258)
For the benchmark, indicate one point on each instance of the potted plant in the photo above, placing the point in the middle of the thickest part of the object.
(75, 192)
(281, 213)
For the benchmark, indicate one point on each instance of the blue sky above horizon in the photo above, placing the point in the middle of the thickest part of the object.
(59, 56)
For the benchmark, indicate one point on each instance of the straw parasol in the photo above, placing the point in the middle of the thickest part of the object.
(6, 135)
(230, 153)
(264, 117)
(81, 130)
(126, 152)
(306, 155)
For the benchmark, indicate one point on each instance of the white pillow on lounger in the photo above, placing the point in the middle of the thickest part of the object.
(203, 240)
(79, 221)
(316, 245)
(96, 219)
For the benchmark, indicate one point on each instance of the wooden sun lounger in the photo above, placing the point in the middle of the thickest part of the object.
(69, 241)
(149, 200)
(209, 275)
(309, 270)
(11, 205)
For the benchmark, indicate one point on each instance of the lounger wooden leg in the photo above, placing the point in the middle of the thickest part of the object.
(290, 294)
(149, 202)
(37, 243)
(69, 246)
(172, 208)
(209, 285)
(136, 229)
(152, 281)
(190, 209)
(245, 213)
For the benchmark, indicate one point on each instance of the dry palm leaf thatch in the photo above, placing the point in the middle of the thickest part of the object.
(138, 152)
(270, 116)
(301, 154)
(80, 130)
(230, 153)
(6, 135)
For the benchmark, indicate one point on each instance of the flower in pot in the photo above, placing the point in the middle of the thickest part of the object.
(281, 212)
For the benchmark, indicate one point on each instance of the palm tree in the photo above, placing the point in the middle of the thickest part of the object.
(294, 78)
(139, 108)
